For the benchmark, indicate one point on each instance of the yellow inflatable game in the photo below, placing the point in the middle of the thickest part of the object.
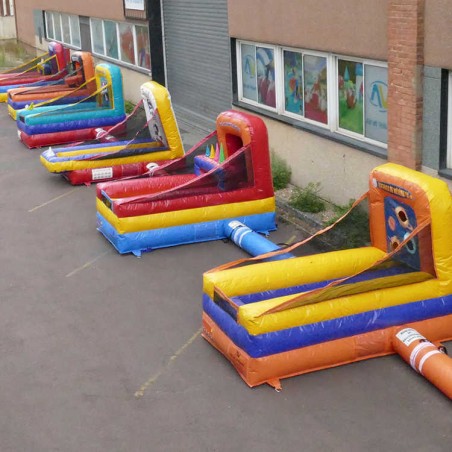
(278, 319)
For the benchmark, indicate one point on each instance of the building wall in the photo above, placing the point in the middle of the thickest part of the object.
(342, 171)
(352, 27)
(438, 33)
(313, 24)
(431, 117)
(107, 9)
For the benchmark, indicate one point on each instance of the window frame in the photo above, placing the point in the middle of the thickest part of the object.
(72, 19)
(332, 81)
(337, 128)
(120, 60)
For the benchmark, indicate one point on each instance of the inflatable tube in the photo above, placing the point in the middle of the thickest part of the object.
(253, 243)
(425, 358)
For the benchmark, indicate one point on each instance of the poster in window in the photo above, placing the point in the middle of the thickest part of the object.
(127, 44)
(97, 36)
(375, 98)
(265, 70)
(143, 47)
(293, 82)
(249, 85)
(315, 88)
(350, 95)
(111, 39)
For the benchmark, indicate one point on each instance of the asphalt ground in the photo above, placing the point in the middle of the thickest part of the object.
(102, 352)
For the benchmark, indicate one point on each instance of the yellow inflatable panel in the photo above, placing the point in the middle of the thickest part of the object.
(182, 217)
(290, 272)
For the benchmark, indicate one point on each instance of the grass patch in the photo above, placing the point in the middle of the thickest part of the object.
(129, 106)
(307, 199)
(355, 226)
(281, 172)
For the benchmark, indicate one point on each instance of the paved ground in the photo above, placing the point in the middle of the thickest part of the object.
(83, 330)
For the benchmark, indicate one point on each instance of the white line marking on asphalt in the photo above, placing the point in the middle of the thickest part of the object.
(52, 200)
(87, 264)
(154, 378)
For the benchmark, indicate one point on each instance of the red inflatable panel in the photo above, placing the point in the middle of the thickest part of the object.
(89, 175)
(69, 136)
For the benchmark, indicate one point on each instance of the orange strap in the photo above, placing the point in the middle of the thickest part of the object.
(293, 302)
(289, 248)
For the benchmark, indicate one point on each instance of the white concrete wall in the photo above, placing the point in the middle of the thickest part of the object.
(7, 27)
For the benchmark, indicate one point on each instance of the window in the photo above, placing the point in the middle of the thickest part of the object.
(111, 39)
(57, 26)
(258, 75)
(362, 93)
(345, 95)
(97, 36)
(127, 43)
(143, 47)
(305, 86)
(121, 41)
(62, 27)
(49, 25)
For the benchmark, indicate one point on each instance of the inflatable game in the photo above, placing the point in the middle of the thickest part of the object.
(225, 177)
(152, 136)
(77, 85)
(42, 70)
(274, 320)
(54, 124)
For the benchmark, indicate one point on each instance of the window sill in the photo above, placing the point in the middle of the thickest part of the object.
(123, 64)
(319, 131)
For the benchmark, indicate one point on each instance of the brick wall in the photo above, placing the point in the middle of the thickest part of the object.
(405, 79)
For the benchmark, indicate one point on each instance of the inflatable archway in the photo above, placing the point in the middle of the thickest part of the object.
(42, 70)
(156, 140)
(273, 320)
(226, 177)
(77, 85)
(55, 124)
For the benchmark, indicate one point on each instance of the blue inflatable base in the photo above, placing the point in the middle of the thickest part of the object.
(137, 242)
(68, 124)
(63, 101)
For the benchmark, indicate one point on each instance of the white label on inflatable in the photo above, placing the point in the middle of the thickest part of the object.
(408, 336)
(235, 224)
(102, 173)
(153, 118)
